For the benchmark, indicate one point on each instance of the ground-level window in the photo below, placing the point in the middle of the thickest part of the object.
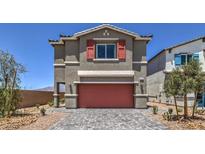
(105, 51)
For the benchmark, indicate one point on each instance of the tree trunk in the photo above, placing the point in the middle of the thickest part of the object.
(185, 106)
(176, 107)
(194, 106)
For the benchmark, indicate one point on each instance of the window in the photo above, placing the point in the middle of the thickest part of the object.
(177, 59)
(105, 51)
(189, 58)
(196, 56)
(182, 59)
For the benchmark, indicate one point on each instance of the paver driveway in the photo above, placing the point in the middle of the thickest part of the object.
(106, 119)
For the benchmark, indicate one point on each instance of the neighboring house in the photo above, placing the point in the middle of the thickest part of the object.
(168, 59)
(102, 67)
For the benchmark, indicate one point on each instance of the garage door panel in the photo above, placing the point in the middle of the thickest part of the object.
(105, 95)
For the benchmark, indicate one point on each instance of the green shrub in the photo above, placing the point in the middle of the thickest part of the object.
(155, 109)
(179, 110)
(50, 103)
(170, 110)
(43, 111)
(37, 106)
(167, 116)
(200, 111)
(10, 81)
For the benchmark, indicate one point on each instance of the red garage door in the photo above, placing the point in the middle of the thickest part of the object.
(105, 95)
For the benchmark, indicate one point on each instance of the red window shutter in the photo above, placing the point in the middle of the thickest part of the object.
(90, 49)
(121, 51)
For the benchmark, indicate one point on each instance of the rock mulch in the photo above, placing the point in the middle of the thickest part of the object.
(44, 122)
(30, 119)
(17, 121)
(198, 123)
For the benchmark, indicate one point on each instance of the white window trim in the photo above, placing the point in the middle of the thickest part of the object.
(186, 54)
(105, 44)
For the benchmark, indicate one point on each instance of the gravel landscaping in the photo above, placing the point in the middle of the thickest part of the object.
(30, 119)
(198, 123)
(99, 119)
(44, 122)
(106, 119)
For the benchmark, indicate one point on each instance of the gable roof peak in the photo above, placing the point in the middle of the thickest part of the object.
(87, 31)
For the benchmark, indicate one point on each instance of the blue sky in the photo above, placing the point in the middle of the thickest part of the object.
(29, 44)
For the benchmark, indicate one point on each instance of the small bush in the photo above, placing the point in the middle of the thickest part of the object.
(200, 111)
(43, 111)
(37, 106)
(179, 110)
(50, 103)
(1, 115)
(155, 109)
(167, 116)
(170, 110)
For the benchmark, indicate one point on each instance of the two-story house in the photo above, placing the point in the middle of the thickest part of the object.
(102, 67)
(168, 59)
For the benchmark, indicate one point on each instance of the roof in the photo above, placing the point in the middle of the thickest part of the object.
(177, 45)
(106, 26)
(87, 31)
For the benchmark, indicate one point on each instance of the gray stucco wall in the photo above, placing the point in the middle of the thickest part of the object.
(156, 77)
(75, 51)
(139, 53)
(164, 62)
(157, 64)
(92, 65)
(72, 50)
(59, 74)
(155, 86)
(59, 54)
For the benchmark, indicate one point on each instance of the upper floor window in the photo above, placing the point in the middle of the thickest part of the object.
(105, 51)
(182, 59)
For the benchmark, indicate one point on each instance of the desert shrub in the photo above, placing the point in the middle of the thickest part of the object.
(43, 111)
(167, 116)
(179, 110)
(37, 106)
(9, 99)
(10, 72)
(155, 109)
(170, 110)
(200, 111)
(50, 103)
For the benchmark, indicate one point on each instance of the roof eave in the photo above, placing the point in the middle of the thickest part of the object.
(68, 38)
(54, 42)
(144, 39)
